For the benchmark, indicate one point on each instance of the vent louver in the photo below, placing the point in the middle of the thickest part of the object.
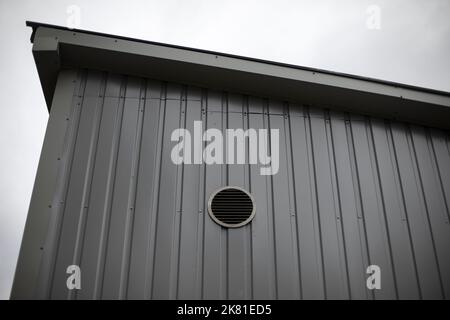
(231, 207)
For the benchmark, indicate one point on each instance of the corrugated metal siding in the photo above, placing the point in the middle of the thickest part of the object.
(351, 191)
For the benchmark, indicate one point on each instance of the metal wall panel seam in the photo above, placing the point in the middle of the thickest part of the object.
(110, 197)
(384, 221)
(298, 209)
(248, 182)
(175, 252)
(345, 284)
(156, 188)
(337, 205)
(199, 274)
(150, 257)
(357, 195)
(270, 203)
(319, 286)
(225, 180)
(291, 196)
(133, 194)
(249, 188)
(79, 244)
(316, 202)
(438, 173)
(294, 205)
(272, 209)
(203, 200)
(179, 203)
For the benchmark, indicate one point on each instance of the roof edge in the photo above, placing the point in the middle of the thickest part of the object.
(34, 25)
(56, 48)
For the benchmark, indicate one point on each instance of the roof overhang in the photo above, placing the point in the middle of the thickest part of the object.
(56, 47)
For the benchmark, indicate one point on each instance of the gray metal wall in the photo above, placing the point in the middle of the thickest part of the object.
(351, 191)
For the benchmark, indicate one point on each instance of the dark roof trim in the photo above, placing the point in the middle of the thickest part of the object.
(57, 47)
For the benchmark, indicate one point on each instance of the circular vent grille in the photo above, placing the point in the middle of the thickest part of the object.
(231, 207)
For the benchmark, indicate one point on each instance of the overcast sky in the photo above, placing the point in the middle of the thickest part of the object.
(405, 41)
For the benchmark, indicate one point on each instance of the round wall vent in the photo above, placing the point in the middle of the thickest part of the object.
(231, 207)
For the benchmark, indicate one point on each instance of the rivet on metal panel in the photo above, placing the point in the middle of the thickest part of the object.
(59, 158)
(67, 119)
